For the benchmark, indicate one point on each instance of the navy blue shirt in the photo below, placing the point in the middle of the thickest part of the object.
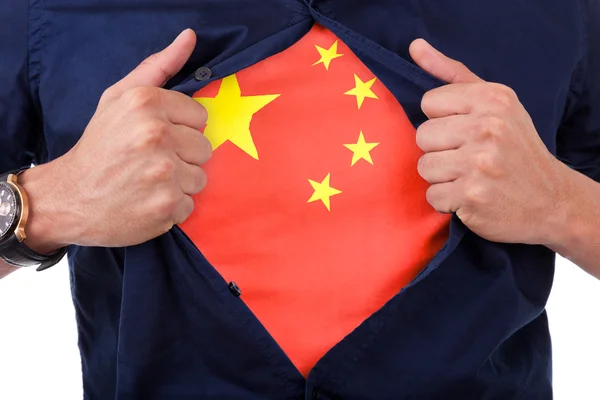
(156, 321)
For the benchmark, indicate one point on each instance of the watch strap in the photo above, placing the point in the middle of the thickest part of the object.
(18, 254)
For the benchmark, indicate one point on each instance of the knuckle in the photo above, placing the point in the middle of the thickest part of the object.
(459, 65)
(502, 96)
(512, 95)
(461, 71)
(153, 134)
(475, 194)
(141, 98)
(491, 163)
(185, 208)
(188, 209)
(486, 162)
(166, 204)
(162, 170)
(422, 165)
(166, 224)
(426, 101)
(206, 149)
(153, 63)
(202, 112)
(107, 95)
(199, 180)
(432, 196)
(493, 127)
(150, 60)
(421, 136)
(202, 179)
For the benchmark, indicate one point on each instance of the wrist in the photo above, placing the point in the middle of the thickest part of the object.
(564, 225)
(48, 227)
(6, 269)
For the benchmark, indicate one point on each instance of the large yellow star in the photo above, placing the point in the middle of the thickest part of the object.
(327, 55)
(361, 150)
(362, 90)
(230, 113)
(323, 191)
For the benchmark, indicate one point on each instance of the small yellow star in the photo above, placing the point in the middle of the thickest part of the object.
(361, 150)
(327, 55)
(323, 191)
(362, 90)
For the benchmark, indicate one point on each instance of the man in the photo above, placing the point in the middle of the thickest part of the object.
(290, 208)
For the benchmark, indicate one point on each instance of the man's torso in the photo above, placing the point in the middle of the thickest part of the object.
(180, 303)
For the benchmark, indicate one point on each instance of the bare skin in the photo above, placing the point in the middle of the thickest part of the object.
(486, 162)
(130, 177)
(5, 269)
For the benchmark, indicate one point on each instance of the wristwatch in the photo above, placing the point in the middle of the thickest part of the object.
(14, 210)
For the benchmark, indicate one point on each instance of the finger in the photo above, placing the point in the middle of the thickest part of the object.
(439, 65)
(460, 98)
(191, 146)
(191, 178)
(441, 166)
(446, 133)
(183, 110)
(184, 209)
(157, 69)
(442, 197)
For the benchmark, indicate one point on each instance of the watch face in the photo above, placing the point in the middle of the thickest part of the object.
(8, 209)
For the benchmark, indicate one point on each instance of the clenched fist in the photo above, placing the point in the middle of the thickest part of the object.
(130, 177)
(483, 157)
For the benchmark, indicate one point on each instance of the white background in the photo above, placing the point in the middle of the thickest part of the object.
(39, 358)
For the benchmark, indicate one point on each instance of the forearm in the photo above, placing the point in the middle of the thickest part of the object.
(6, 269)
(574, 232)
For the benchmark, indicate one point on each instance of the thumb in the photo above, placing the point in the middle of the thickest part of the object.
(439, 65)
(157, 69)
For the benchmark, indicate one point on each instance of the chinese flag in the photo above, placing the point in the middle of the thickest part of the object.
(314, 206)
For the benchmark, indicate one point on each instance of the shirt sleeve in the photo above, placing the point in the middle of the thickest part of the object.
(20, 140)
(578, 141)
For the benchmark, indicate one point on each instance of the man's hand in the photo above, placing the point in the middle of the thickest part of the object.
(131, 176)
(484, 159)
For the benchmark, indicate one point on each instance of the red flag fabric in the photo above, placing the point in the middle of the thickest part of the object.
(314, 206)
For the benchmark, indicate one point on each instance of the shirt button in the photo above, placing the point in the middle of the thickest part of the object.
(235, 289)
(203, 73)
